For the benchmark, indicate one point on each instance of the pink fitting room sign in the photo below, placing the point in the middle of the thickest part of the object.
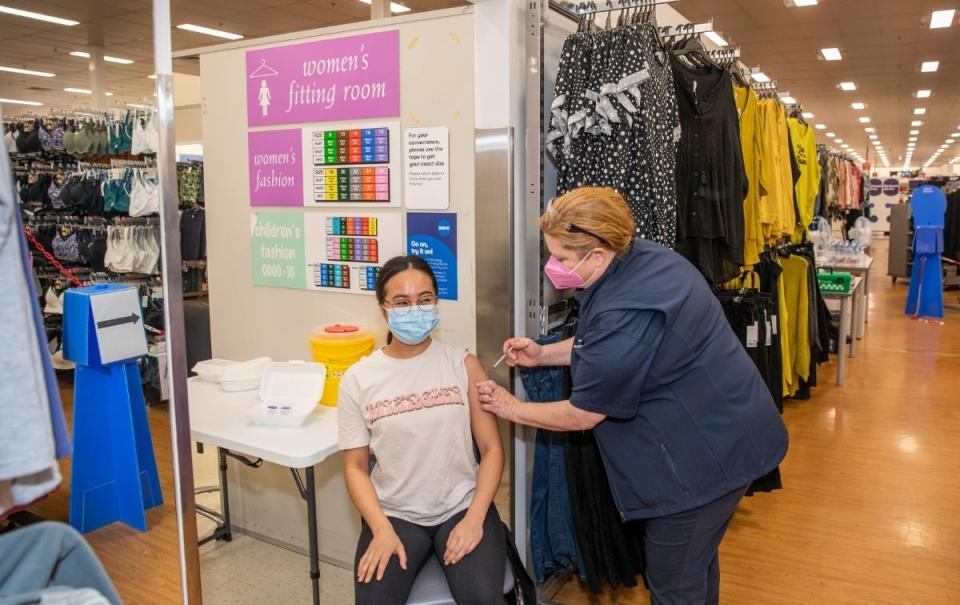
(350, 78)
(276, 168)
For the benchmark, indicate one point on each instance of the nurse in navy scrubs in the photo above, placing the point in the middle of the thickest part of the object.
(682, 417)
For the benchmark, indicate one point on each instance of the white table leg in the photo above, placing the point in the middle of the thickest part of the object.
(854, 299)
(866, 294)
(860, 314)
(842, 340)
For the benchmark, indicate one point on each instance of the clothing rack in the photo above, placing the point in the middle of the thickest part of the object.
(686, 29)
(576, 10)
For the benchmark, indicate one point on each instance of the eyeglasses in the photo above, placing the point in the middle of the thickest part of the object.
(571, 228)
(403, 306)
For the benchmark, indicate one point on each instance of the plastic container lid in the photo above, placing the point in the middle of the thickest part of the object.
(211, 369)
(337, 332)
(245, 370)
(293, 382)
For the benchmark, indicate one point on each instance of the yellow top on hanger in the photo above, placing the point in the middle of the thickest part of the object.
(808, 187)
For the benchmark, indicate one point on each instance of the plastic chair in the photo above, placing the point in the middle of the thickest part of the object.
(430, 587)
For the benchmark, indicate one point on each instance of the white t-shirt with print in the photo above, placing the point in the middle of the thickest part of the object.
(414, 414)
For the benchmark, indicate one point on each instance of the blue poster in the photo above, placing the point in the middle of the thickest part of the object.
(434, 237)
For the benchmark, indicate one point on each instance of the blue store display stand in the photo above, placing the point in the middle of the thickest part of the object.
(114, 473)
(925, 299)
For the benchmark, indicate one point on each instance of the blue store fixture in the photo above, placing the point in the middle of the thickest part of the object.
(114, 473)
(925, 299)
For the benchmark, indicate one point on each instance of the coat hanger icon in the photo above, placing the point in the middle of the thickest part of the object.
(264, 70)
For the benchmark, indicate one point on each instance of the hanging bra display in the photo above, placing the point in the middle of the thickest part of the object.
(144, 196)
(132, 249)
(145, 136)
(84, 135)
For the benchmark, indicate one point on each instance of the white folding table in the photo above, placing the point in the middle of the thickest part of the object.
(847, 327)
(861, 267)
(220, 419)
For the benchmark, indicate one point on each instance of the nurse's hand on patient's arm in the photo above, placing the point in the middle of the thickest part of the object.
(497, 400)
(385, 544)
(556, 416)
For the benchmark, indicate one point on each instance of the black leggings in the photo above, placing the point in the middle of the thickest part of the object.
(476, 580)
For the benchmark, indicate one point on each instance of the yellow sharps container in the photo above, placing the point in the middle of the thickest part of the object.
(338, 347)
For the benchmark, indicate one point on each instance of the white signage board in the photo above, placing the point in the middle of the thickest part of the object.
(119, 325)
(426, 155)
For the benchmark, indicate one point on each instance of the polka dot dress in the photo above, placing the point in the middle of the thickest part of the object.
(614, 122)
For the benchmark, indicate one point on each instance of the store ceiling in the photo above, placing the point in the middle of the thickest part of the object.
(125, 30)
(883, 43)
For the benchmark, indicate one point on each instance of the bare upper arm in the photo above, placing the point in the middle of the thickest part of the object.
(483, 424)
(357, 458)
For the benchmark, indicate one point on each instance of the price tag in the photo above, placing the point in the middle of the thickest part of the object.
(775, 331)
(753, 335)
(769, 332)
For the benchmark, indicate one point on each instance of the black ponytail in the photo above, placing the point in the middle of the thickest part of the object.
(397, 265)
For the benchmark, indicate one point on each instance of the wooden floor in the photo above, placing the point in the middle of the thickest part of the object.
(870, 512)
(144, 567)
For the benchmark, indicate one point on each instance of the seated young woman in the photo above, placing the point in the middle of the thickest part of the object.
(410, 428)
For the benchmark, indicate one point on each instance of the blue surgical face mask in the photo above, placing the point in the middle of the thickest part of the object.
(413, 325)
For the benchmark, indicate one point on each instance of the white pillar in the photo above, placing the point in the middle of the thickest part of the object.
(98, 78)
(380, 9)
(176, 350)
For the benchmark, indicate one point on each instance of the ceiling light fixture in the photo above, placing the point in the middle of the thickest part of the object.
(873, 137)
(858, 106)
(138, 106)
(807, 115)
(951, 141)
(83, 91)
(923, 94)
(919, 111)
(869, 129)
(912, 132)
(152, 76)
(912, 139)
(864, 120)
(929, 66)
(16, 12)
(209, 31)
(19, 102)
(838, 141)
(394, 7)
(107, 58)
(916, 123)
(804, 2)
(848, 86)
(831, 54)
(941, 19)
(27, 72)
(824, 127)
(788, 100)
(760, 77)
(831, 134)
(714, 37)
(846, 146)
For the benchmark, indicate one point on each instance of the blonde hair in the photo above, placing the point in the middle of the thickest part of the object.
(587, 217)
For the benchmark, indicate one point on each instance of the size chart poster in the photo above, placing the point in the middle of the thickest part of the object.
(434, 237)
(345, 249)
(352, 165)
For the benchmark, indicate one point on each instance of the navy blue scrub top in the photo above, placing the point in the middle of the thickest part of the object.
(689, 418)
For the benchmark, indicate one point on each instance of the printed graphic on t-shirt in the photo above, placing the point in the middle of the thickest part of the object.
(386, 408)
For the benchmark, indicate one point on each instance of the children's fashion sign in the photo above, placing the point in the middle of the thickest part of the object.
(355, 77)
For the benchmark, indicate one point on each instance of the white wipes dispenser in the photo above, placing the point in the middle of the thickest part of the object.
(288, 394)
